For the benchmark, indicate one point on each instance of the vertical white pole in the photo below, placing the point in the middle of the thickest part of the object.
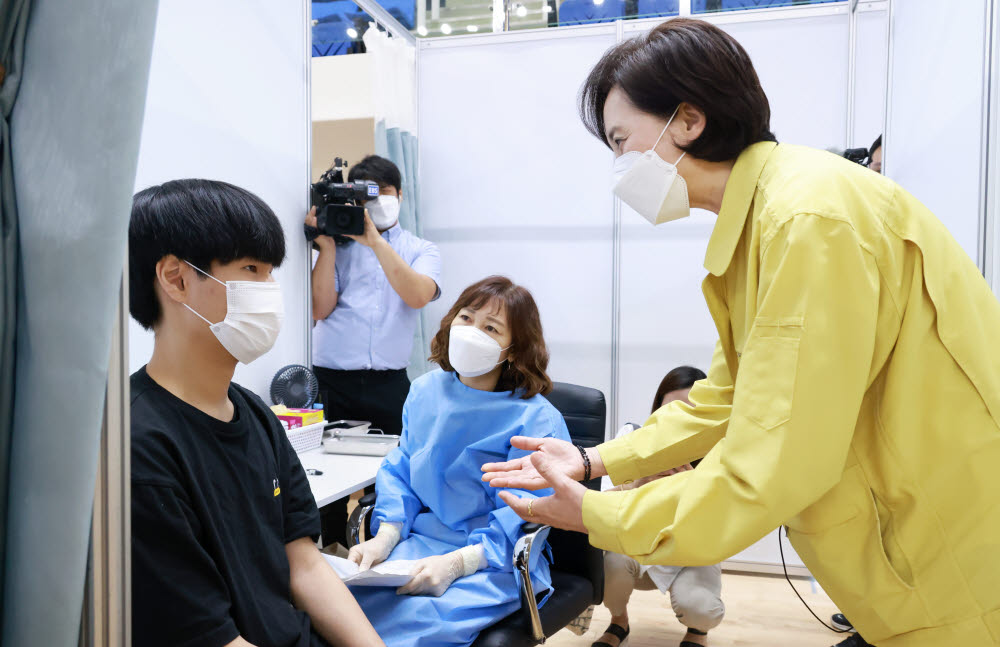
(852, 66)
(887, 106)
(616, 295)
(990, 178)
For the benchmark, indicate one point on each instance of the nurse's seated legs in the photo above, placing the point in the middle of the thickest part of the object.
(223, 520)
(432, 504)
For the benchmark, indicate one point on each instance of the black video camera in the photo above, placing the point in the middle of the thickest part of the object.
(340, 205)
(857, 155)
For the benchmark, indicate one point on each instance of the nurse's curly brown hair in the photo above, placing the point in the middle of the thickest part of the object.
(524, 370)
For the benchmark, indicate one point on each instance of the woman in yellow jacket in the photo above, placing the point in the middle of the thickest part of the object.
(854, 394)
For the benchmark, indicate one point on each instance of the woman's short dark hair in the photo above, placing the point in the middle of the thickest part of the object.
(198, 221)
(376, 169)
(525, 375)
(685, 61)
(877, 144)
(682, 377)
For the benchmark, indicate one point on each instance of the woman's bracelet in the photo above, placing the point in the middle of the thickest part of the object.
(586, 463)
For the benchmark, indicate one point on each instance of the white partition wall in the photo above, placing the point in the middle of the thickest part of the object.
(228, 100)
(512, 184)
(935, 145)
(869, 85)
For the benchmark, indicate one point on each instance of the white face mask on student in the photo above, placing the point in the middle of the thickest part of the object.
(384, 211)
(471, 352)
(651, 186)
(254, 312)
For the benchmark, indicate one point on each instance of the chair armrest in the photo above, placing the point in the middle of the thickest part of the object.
(359, 519)
(533, 533)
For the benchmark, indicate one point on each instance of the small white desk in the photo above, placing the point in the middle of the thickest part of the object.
(342, 474)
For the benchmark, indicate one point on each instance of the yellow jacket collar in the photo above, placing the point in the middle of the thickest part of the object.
(736, 200)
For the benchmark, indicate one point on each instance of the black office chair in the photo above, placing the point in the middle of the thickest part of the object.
(577, 569)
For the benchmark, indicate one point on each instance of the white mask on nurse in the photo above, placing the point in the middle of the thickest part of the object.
(651, 186)
(254, 312)
(471, 352)
(384, 211)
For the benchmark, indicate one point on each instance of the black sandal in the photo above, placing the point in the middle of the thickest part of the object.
(618, 632)
(688, 643)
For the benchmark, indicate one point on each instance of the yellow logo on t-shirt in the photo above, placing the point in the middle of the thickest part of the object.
(277, 488)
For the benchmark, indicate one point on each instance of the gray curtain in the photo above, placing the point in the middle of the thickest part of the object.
(13, 23)
(74, 141)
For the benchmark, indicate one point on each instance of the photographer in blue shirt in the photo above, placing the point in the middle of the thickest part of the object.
(366, 300)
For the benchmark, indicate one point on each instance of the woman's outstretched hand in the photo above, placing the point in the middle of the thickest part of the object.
(564, 509)
(521, 473)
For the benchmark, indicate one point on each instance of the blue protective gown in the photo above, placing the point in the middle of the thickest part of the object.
(432, 485)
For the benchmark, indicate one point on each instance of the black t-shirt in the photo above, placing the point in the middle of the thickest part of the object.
(213, 505)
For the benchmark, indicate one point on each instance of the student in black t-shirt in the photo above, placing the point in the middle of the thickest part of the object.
(223, 519)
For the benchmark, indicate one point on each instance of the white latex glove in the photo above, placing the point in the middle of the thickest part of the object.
(433, 575)
(377, 549)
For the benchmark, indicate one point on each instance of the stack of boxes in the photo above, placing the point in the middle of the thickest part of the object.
(297, 418)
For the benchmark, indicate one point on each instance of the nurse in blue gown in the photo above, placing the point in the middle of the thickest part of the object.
(432, 504)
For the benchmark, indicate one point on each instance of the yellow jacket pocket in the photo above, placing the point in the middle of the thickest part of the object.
(766, 376)
(840, 538)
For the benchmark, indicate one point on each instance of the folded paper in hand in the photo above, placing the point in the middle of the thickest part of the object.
(393, 573)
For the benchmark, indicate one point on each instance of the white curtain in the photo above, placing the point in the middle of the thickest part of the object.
(394, 98)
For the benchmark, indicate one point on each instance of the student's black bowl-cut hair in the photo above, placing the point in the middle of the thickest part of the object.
(199, 221)
(376, 169)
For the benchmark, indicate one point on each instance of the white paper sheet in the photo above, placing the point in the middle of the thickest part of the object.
(394, 573)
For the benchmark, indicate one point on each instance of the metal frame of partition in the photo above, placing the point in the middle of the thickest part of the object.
(985, 167)
(307, 279)
(616, 291)
(856, 8)
(386, 19)
(989, 179)
(887, 101)
(852, 67)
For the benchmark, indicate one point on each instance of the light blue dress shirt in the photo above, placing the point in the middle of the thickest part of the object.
(372, 327)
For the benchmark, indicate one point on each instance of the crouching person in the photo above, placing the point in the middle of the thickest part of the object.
(695, 591)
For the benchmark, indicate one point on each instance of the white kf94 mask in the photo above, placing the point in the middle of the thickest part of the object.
(254, 312)
(650, 185)
(471, 352)
(384, 211)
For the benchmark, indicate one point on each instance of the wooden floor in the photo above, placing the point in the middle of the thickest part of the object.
(760, 611)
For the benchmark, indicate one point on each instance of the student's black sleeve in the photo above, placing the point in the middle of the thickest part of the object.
(301, 517)
(179, 598)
